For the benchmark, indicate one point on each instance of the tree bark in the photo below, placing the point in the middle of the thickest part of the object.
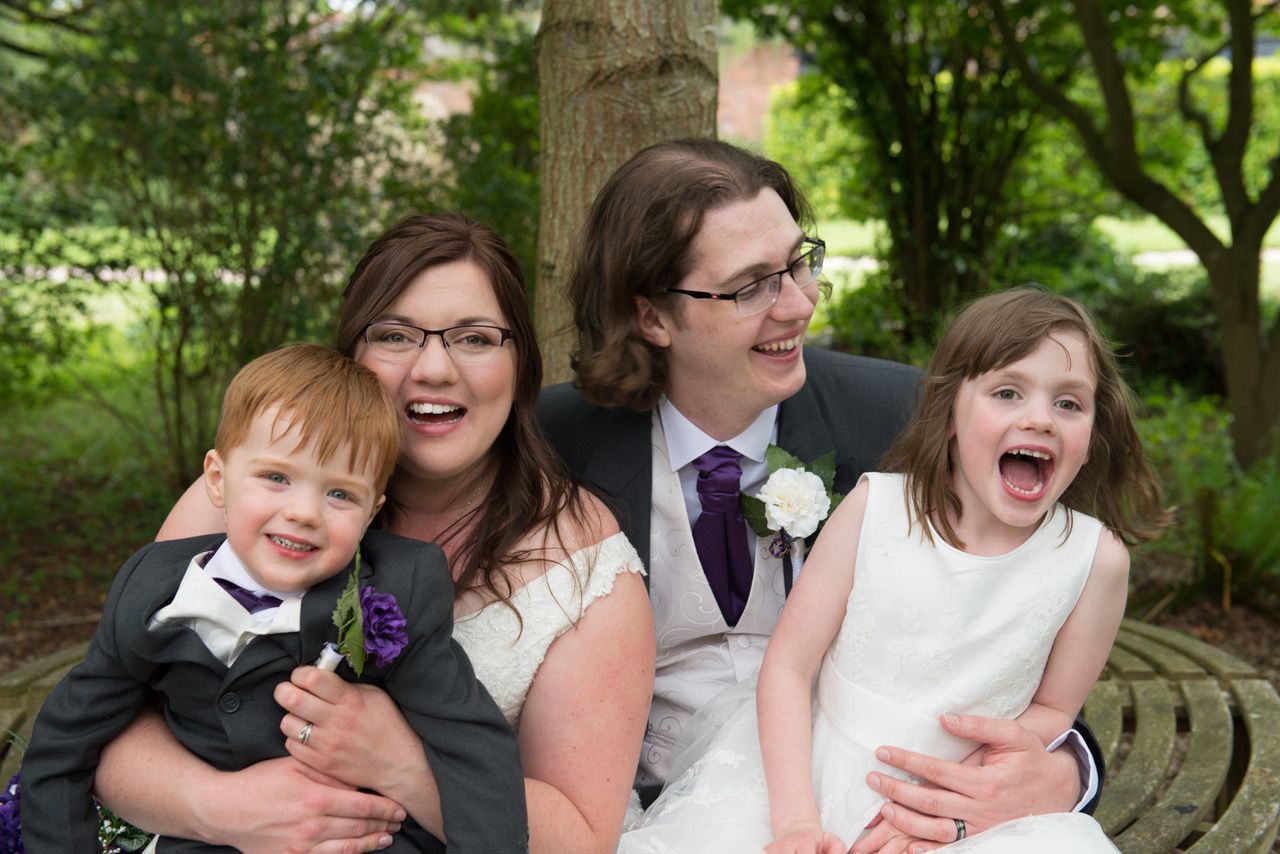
(613, 77)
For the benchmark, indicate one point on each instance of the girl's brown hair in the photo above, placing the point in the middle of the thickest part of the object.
(1115, 484)
(636, 242)
(535, 485)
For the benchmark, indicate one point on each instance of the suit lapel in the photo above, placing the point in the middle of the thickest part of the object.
(622, 467)
(316, 621)
(802, 430)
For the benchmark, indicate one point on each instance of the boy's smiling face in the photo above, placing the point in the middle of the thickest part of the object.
(293, 520)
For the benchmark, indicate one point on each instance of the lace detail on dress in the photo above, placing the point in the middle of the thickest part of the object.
(506, 656)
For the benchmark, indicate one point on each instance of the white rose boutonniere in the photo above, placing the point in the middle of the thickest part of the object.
(795, 500)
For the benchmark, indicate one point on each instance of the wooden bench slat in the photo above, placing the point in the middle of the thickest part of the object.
(1219, 662)
(1166, 660)
(1125, 665)
(17, 682)
(1250, 823)
(1191, 795)
(1104, 714)
(1130, 789)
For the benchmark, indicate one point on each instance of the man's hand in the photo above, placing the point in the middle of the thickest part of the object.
(1016, 778)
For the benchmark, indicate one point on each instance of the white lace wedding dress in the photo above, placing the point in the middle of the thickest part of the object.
(507, 650)
(928, 629)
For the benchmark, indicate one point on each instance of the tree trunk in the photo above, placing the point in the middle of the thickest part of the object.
(613, 77)
(1251, 357)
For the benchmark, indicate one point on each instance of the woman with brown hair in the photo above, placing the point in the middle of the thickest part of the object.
(550, 604)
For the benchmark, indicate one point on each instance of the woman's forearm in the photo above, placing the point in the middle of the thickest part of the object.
(556, 826)
(147, 777)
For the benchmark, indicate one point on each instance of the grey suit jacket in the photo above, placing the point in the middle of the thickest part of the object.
(228, 716)
(852, 405)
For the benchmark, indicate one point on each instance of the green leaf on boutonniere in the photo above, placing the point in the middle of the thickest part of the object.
(825, 468)
(349, 618)
(776, 458)
(753, 512)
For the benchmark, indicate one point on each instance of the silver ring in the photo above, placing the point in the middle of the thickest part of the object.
(305, 733)
(960, 829)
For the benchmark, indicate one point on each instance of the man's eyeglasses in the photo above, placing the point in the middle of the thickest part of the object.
(401, 342)
(754, 297)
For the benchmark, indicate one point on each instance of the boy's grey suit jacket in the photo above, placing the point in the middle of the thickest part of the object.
(228, 716)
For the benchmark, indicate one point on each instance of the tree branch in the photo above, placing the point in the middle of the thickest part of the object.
(22, 50)
(65, 20)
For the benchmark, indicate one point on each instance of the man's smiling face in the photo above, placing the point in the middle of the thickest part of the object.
(723, 369)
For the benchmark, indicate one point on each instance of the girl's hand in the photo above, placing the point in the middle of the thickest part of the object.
(805, 837)
(280, 805)
(357, 735)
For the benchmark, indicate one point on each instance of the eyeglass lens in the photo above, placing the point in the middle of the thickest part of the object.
(763, 293)
(401, 342)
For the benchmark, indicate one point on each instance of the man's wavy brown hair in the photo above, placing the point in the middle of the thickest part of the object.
(636, 242)
(1115, 485)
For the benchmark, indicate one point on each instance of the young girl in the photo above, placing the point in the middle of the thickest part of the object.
(981, 587)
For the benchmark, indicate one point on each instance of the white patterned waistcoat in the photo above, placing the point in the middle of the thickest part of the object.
(698, 653)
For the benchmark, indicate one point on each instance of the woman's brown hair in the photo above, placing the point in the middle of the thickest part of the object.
(536, 486)
(1115, 484)
(636, 242)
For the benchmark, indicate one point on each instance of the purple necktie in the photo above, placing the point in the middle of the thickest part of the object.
(720, 534)
(252, 602)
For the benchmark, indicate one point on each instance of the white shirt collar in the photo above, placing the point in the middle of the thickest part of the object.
(221, 622)
(225, 563)
(686, 441)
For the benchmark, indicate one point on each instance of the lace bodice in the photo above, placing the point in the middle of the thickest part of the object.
(505, 654)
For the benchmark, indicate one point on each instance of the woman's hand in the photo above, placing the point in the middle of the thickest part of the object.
(358, 736)
(281, 805)
(805, 837)
(146, 776)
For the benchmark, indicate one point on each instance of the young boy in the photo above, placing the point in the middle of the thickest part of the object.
(306, 443)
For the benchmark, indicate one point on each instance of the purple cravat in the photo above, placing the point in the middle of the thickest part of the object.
(720, 534)
(252, 602)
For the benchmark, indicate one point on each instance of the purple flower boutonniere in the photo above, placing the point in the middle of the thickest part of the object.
(369, 623)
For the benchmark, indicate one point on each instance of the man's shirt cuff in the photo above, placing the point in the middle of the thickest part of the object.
(1085, 765)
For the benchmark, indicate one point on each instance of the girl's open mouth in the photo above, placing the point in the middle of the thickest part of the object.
(1025, 471)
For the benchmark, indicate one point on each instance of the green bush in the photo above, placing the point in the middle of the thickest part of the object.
(1160, 321)
(79, 490)
(1226, 516)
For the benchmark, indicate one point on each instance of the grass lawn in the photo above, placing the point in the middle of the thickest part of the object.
(847, 238)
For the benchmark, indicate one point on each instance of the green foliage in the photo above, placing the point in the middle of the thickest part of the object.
(807, 130)
(78, 490)
(249, 150)
(912, 116)
(1171, 147)
(492, 152)
(871, 320)
(1160, 321)
(1226, 515)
